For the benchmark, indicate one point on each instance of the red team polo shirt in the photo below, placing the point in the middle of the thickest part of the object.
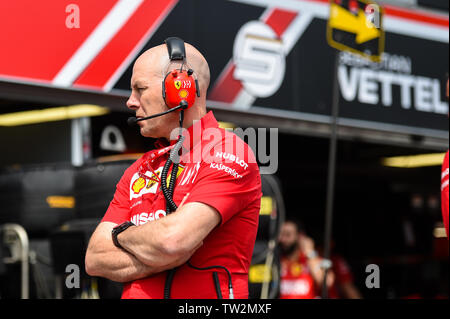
(444, 192)
(217, 168)
(296, 279)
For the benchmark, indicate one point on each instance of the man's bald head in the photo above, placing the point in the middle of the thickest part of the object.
(156, 62)
(146, 89)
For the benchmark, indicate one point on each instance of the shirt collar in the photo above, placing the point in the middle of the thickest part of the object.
(192, 132)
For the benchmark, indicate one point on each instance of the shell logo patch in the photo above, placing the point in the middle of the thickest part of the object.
(183, 94)
(177, 84)
(148, 184)
(138, 185)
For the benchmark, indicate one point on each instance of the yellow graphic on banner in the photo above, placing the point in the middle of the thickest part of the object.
(356, 26)
(344, 20)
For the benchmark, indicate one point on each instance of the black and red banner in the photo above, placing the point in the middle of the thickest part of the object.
(269, 54)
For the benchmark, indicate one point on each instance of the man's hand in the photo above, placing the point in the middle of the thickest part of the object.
(307, 247)
(306, 244)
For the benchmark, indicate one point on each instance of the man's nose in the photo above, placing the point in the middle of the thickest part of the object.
(133, 102)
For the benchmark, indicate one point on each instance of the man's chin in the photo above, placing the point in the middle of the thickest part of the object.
(145, 132)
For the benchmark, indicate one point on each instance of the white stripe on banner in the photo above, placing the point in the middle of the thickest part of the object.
(415, 29)
(392, 24)
(295, 30)
(126, 63)
(317, 9)
(96, 41)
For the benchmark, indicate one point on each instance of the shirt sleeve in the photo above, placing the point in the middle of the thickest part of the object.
(229, 187)
(119, 208)
(342, 270)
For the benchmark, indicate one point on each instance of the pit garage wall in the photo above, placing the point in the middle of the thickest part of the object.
(38, 143)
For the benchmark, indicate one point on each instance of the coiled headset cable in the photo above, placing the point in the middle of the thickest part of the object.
(171, 206)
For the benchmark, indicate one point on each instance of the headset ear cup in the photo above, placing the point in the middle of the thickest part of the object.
(178, 86)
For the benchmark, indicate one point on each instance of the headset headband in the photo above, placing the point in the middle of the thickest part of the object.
(176, 48)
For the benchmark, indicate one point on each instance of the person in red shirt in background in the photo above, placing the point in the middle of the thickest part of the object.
(301, 274)
(444, 188)
(343, 286)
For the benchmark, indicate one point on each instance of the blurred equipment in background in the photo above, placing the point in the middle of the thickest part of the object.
(68, 247)
(39, 198)
(264, 272)
(48, 215)
(16, 239)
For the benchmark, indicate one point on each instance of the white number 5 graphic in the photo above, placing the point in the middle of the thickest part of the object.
(259, 59)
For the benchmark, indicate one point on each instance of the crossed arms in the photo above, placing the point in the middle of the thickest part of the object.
(150, 248)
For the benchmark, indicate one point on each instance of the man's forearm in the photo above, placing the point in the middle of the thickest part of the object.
(118, 266)
(103, 259)
(141, 243)
(162, 243)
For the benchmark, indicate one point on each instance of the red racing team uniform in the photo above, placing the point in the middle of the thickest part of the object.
(296, 279)
(343, 275)
(444, 192)
(217, 168)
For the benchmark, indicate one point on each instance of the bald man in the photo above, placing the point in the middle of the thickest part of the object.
(207, 243)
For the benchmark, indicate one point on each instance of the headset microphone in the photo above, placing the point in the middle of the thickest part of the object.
(133, 120)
